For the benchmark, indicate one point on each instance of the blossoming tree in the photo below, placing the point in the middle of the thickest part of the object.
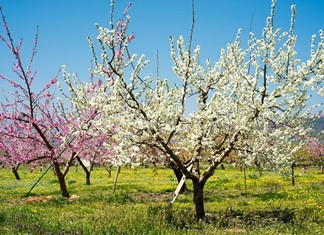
(30, 124)
(315, 149)
(250, 101)
(89, 144)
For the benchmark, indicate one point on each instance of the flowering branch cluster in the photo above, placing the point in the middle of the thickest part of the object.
(251, 102)
(28, 121)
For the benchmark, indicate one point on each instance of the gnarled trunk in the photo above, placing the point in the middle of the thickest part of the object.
(61, 179)
(198, 198)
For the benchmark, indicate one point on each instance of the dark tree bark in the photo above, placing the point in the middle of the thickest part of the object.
(61, 179)
(15, 171)
(88, 178)
(198, 199)
(87, 172)
(293, 173)
(179, 176)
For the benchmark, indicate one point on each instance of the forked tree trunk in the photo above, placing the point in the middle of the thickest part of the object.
(61, 179)
(88, 173)
(198, 198)
(68, 165)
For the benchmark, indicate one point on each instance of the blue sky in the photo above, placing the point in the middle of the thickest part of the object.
(65, 24)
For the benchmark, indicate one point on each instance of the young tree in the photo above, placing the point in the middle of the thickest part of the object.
(7, 161)
(29, 121)
(89, 144)
(17, 151)
(90, 150)
(251, 101)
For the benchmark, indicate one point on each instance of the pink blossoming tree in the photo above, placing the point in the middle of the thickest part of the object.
(30, 124)
(315, 149)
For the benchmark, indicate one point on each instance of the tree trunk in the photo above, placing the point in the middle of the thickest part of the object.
(293, 174)
(199, 199)
(116, 177)
(109, 170)
(15, 172)
(258, 165)
(68, 165)
(88, 178)
(85, 170)
(179, 175)
(61, 179)
(245, 183)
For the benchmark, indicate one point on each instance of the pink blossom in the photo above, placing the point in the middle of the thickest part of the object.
(105, 70)
(118, 53)
(131, 37)
(127, 8)
(53, 81)
(99, 83)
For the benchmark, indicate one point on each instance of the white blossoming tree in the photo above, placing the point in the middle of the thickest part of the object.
(250, 101)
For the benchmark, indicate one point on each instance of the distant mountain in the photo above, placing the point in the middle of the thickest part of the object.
(319, 125)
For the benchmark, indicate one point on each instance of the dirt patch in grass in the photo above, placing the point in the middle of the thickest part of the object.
(153, 196)
(37, 199)
(40, 199)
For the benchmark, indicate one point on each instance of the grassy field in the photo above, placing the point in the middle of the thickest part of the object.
(138, 206)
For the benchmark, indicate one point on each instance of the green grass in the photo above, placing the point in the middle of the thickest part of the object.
(138, 206)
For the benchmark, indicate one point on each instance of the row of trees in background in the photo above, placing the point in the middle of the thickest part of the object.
(250, 103)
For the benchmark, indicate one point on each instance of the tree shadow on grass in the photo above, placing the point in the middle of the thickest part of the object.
(271, 196)
(241, 218)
